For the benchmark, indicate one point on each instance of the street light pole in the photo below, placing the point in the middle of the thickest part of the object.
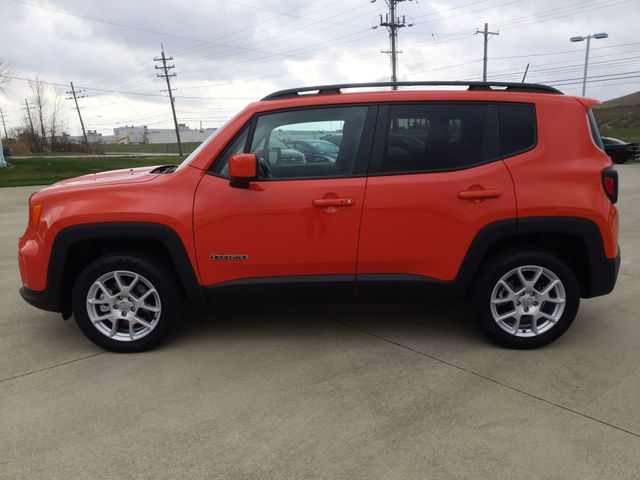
(586, 67)
(586, 57)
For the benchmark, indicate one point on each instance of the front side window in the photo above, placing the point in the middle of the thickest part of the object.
(288, 144)
(439, 136)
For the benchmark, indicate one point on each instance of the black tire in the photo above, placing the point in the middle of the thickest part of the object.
(153, 271)
(498, 266)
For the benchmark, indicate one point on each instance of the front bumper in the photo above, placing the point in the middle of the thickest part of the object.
(40, 299)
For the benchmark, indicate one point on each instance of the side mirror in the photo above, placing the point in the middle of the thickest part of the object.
(242, 169)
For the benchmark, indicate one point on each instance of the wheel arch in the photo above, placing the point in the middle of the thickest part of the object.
(575, 240)
(74, 247)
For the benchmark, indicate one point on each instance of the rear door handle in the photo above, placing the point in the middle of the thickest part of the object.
(478, 194)
(333, 202)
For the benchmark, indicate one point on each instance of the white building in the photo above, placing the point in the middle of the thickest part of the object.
(143, 134)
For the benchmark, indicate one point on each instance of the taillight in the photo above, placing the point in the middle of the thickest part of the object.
(610, 184)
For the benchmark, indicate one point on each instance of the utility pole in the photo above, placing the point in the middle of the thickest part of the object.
(166, 75)
(26, 104)
(4, 125)
(75, 98)
(485, 33)
(33, 132)
(393, 23)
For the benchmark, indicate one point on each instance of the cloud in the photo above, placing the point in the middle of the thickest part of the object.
(227, 52)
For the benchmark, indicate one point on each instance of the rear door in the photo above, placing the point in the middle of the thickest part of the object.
(436, 179)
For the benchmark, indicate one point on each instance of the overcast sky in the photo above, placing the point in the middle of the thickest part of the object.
(229, 52)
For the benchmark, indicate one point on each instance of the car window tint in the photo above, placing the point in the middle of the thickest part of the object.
(439, 136)
(517, 128)
(595, 132)
(288, 143)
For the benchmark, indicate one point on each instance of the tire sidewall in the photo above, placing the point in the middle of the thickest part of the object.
(499, 266)
(152, 270)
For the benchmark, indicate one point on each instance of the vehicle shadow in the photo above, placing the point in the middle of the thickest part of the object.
(451, 323)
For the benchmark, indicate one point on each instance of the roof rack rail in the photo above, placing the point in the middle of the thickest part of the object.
(329, 89)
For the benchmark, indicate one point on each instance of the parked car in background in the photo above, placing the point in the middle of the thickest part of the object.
(620, 151)
(316, 151)
(335, 138)
(7, 152)
(281, 154)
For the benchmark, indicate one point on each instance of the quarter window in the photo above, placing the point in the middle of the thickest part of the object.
(517, 128)
(440, 136)
(595, 131)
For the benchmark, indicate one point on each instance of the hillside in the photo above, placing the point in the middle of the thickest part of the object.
(622, 112)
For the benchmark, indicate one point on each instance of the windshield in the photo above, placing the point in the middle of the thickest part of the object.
(203, 144)
(324, 147)
(276, 142)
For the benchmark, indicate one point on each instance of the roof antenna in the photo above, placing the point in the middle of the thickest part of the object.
(525, 73)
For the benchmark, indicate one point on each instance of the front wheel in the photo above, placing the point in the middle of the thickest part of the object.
(526, 299)
(125, 303)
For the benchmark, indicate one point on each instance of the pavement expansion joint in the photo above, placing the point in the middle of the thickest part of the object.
(484, 377)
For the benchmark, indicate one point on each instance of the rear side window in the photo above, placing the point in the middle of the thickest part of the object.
(517, 128)
(435, 137)
(595, 132)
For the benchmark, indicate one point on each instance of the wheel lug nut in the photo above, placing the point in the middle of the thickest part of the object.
(133, 309)
(119, 297)
(116, 307)
(517, 303)
(124, 314)
(526, 309)
(535, 304)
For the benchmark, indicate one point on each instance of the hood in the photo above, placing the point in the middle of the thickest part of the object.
(127, 175)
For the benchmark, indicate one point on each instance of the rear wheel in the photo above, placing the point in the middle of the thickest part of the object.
(125, 303)
(526, 299)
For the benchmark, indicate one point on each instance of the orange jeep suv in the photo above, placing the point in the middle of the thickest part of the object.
(498, 192)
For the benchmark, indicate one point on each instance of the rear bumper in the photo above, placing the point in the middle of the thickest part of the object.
(40, 299)
(604, 274)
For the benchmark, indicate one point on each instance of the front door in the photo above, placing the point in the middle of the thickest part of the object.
(299, 221)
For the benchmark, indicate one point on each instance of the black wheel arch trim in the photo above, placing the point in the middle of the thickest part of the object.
(602, 271)
(51, 298)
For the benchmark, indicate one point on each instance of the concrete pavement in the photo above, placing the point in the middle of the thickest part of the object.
(333, 391)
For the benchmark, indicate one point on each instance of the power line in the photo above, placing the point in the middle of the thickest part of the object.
(144, 94)
(166, 75)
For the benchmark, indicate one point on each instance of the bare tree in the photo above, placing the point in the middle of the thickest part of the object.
(40, 103)
(5, 73)
(55, 123)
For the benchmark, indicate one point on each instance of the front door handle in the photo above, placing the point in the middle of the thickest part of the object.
(333, 202)
(478, 194)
